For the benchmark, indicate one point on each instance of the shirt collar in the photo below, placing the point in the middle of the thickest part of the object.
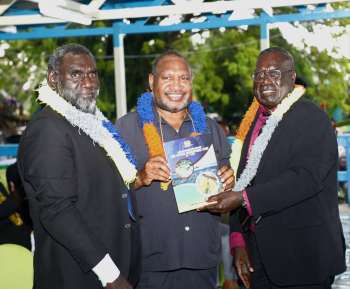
(265, 111)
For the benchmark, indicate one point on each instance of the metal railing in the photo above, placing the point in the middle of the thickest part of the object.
(344, 175)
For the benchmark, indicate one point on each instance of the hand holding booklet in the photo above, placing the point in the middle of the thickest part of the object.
(193, 167)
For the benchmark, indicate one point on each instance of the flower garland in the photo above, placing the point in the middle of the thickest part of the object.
(97, 127)
(152, 138)
(242, 133)
(263, 139)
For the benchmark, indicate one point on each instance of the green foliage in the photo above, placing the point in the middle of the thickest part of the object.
(329, 85)
(325, 76)
(23, 68)
(222, 65)
(344, 21)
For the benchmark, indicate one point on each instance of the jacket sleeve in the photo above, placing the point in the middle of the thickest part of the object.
(47, 165)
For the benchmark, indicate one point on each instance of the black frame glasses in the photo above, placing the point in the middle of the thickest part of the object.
(274, 74)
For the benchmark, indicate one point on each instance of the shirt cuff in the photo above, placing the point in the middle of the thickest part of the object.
(106, 270)
(236, 240)
(247, 203)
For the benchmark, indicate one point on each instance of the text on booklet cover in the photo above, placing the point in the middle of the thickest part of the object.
(193, 167)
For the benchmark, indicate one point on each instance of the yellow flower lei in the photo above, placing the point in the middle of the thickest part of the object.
(150, 132)
(242, 133)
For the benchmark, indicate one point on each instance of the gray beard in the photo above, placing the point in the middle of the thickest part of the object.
(83, 104)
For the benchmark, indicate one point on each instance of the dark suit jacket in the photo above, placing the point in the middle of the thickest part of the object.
(78, 203)
(294, 194)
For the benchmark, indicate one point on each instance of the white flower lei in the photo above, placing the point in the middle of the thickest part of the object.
(263, 139)
(90, 124)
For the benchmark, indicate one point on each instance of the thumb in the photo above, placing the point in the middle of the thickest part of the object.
(213, 198)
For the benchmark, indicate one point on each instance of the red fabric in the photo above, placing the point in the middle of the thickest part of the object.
(248, 206)
(236, 240)
(263, 114)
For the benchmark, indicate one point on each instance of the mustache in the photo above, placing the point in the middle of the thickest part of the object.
(85, 104)
(268, 87)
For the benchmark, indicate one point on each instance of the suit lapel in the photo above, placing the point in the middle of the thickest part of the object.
(280, 134)
(277, 136)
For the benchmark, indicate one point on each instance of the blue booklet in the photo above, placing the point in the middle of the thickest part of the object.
(193, 167)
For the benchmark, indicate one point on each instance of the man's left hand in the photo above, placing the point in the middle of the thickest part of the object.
(227, 177)
(119, 283)
(224, 202)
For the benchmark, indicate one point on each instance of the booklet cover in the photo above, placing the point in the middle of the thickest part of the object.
(193, 167)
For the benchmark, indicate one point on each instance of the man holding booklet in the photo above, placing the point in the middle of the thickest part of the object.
(180, 250)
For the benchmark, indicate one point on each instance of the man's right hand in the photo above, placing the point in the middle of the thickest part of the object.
(155, 169)
(119, 283)
(243, 265)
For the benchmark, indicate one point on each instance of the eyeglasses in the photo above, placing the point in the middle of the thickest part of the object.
(274, 74)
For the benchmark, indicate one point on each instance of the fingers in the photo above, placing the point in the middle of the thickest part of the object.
(213, 204)
(246, 280)
(214, 207)
(244, 274)
(222, 170)
(205, 207)
(156, 168)
(158, 163)
(210, 204)
(243, 265)
(249, 265)
(229, 183)
(159, 159)
(226, 202)
(119, 283)
(214, 198)
(157, 173)
(227, 177)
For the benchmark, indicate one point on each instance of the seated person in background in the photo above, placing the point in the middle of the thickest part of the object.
(12, 228)
(342, 186)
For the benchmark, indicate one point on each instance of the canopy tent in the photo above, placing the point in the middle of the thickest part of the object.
(35, 19)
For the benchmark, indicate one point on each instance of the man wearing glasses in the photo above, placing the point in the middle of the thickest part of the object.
(285, 225)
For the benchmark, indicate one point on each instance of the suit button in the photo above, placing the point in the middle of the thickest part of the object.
(127, 226)
(187, 228)
(124, 196)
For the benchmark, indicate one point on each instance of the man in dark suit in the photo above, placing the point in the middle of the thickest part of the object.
(84, 237)
(286, 187)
